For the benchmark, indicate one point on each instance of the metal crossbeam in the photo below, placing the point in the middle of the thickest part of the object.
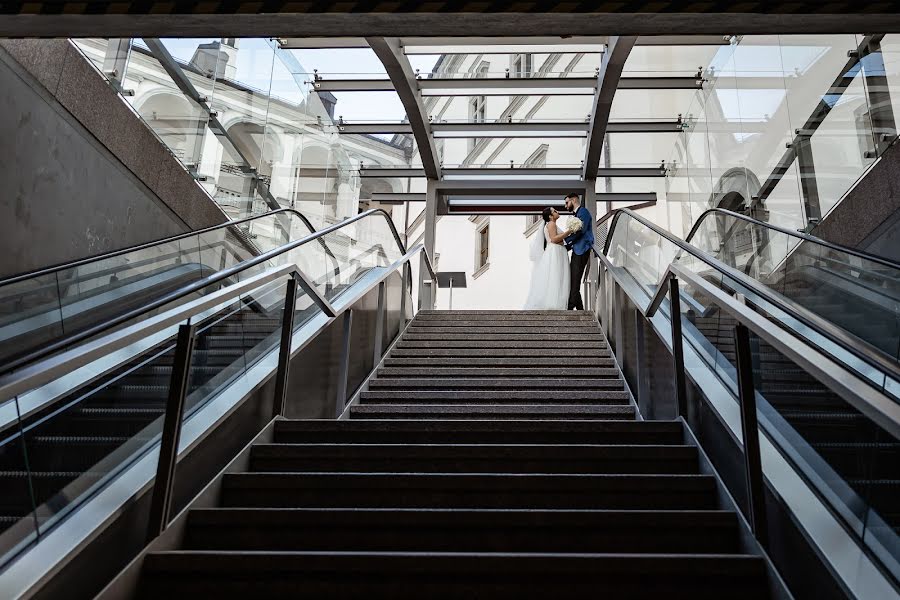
(396, 197)
(510, 203)
(515, 172)
(608, 81)
(464, 45)
(505, 129)
(404, 80)
(503, 86)
(391, 172)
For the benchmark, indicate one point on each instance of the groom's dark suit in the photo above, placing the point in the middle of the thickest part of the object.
(580, 243)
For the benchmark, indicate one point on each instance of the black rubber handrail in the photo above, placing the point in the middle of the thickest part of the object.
(103, 256)
(844, 339)
(197, 286)
(795, 234)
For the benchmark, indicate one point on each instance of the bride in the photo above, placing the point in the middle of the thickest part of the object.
(550, 278)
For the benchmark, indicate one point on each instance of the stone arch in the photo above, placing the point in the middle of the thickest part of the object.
(179, 123)
(735, 190)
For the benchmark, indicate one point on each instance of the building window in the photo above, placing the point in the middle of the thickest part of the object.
(521, 65)
(477, 114)
(482, 245)
(484, 240)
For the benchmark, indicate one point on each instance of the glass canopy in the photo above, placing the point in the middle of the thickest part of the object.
(750, 121)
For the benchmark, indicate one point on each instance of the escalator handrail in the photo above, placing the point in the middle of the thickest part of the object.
(187, 290)
(50, 368)
(795, 234)
(112, 254)
(835, 334)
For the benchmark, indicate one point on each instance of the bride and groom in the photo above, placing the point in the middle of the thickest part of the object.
(555, 280)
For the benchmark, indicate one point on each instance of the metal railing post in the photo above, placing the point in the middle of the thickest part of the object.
(344, 365)
(619, 316)
(599, 305)
(750, 431)
(641, 366)
(403, 293)
(379, 326)
(161, 501)
(677, 347)
(284, 350)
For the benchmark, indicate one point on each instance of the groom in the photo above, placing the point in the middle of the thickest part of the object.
(580, 243)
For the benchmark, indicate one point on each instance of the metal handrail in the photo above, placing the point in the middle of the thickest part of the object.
(49, 368)
(838, 378)
(174, 238)
(795, 234)
(828, 330)
(105, 326)
(53, 367)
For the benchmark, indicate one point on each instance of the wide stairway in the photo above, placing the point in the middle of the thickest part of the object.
(494, 455)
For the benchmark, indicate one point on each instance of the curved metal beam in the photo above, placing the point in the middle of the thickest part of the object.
(611, 66)
(396, 64)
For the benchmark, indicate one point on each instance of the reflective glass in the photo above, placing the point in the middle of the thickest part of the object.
(18, 524)
(30, 314)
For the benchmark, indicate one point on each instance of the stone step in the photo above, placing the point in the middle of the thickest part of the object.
(512, 313)
(476, 342)
(499, 317)
(497, 412)
(466, 490)
(535, 353)
(474, 334)
(522, 362)
(495, 383)
(474, 458)
(189, 575)
(495, 397)
(498, 372)
(462, 530)
(421, 431)
(560, 331)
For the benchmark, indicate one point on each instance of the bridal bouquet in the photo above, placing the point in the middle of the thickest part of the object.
(573, 224)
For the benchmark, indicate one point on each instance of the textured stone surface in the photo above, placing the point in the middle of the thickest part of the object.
(855, 221)
(84, 92)
(42, 58)
(65, 196)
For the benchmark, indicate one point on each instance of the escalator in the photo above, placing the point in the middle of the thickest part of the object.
(856, 293)
(841, 302)
(63, 442)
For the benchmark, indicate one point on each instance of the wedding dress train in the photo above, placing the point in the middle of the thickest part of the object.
(549, 288)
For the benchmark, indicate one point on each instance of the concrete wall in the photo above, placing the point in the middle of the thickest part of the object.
(80, 173)
(868, 217)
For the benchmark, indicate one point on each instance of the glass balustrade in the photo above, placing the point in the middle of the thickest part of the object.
(64, 441)
(848, 458)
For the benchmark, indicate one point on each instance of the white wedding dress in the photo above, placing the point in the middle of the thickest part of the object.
(550, 278)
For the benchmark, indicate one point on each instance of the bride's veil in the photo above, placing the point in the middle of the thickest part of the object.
(536, 249)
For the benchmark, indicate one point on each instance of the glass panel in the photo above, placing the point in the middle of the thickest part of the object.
(18, 526)
(77, 443)
(30, 315)
(847, 457)
(842, 146)
(179, 121)
(858, 295)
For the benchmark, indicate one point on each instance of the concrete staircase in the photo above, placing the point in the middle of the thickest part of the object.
(486, 460)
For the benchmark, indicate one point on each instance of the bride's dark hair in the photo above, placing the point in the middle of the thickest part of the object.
(546, 214)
